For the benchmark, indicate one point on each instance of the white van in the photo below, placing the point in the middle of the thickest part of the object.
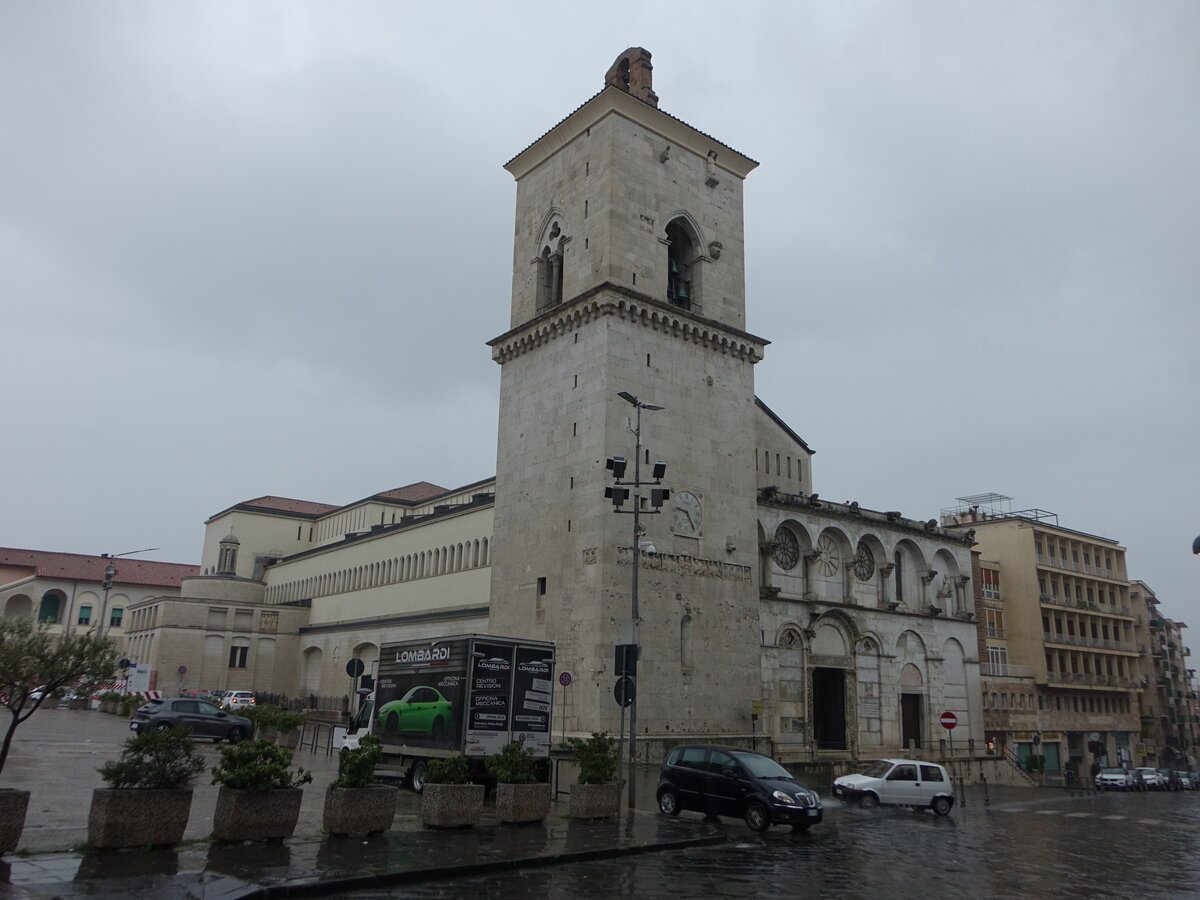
(898, 782)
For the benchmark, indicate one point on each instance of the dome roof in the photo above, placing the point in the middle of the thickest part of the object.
(230, 538)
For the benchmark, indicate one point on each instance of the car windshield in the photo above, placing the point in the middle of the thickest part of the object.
(878, 769)
(763, 766)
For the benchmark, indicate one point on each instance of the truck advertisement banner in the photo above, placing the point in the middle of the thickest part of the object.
(420, 692)
(490, 692)
(533, 691)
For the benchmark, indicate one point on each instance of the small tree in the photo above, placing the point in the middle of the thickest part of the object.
(157, 760)
(32, 658)
(596, 757)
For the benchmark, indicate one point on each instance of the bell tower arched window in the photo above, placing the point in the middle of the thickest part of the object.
(681, 257)
(550, 268)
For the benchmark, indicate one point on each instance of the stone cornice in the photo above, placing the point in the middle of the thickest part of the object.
(771, 496)
(610, 299)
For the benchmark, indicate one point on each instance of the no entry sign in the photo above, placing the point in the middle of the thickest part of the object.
(949, 720)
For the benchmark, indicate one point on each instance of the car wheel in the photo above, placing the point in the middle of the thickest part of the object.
(868, 801)
(392, 724)
(437, 728)
(940, 805)
(756, 816)
(236, 734)
(416, 776)
(162, 727)
(668, 802)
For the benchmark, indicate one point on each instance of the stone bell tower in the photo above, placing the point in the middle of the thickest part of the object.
(628, 277)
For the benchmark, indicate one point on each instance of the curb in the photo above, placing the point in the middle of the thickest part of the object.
(437, 873)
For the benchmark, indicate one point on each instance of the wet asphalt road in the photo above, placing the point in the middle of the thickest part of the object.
(1026, 843)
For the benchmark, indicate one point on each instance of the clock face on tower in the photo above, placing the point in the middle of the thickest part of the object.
(685, 513)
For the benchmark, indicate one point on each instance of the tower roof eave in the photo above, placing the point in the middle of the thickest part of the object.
(614, 100)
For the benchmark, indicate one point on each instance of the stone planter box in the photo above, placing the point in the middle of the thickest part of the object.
(451, 805)
(256, 815)
(13, 804)
(522, 802)
(80, 703)
(354, 810)
(594, 801)
(108, 706)
(288, 739)
(135, 817)
(265, 733)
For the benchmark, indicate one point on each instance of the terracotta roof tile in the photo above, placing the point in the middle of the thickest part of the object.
(418, 492)
(287, 504)
(77, 567)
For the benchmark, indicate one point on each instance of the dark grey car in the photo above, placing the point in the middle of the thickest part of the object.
(203, 718)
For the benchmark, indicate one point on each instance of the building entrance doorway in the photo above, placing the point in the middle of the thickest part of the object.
(829, 709)
(910, 719)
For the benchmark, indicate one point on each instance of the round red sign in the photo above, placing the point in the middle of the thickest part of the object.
(949, 720)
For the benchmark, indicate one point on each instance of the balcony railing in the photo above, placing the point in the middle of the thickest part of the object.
(1004, 670)
(995, 631)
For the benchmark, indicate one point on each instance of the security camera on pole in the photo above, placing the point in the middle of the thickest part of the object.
(627, 654)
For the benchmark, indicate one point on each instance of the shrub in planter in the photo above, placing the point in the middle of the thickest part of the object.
(149, 793)
(110, 701)
(449, 799)
(259, 797)
(263, 718)
(595, 795)
(288, 726)
(519, 795)
(354, 802)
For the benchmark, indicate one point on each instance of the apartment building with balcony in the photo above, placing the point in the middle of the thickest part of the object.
(1060, 661)
(1169, 728)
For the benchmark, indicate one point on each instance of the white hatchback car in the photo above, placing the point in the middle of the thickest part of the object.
(237, 699)
(898, 782)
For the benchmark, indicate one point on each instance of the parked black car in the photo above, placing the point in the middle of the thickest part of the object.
(724, 781)
(203, 718)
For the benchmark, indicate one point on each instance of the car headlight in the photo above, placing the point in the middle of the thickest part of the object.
(781, 797)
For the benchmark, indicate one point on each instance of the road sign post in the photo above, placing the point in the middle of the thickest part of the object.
(949, 721)
(565, 680)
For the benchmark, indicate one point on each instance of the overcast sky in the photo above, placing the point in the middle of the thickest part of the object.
(258, 248)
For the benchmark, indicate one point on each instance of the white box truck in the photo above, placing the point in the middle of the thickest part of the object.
(468, 694)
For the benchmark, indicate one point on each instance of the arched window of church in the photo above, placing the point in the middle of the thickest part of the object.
(681, 258)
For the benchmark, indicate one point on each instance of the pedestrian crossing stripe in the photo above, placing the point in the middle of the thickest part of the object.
(1149, 821)
(1080, 815)
(1113, 818)
(1048, 812)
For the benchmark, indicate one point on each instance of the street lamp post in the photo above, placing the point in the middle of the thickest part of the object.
(110, 571)
(658, 496)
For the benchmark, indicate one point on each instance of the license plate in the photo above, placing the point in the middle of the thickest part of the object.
(810, 812)
(133, 726)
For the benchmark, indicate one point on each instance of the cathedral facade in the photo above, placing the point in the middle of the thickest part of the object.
(762, 612)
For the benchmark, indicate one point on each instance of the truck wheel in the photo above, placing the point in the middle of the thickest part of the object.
(416, 776)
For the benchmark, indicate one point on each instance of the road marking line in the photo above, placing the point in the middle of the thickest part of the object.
(1048, 812)
(1150, 821)
(1113, 818)
(1080, 815)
